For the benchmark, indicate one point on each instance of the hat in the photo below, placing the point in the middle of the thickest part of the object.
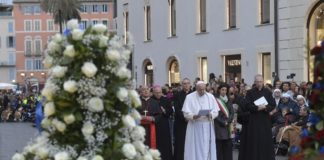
(285, 95)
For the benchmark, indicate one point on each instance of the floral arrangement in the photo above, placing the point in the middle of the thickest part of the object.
(312, 144)
(90, 104)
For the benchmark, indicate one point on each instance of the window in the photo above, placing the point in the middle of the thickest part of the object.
(84, 24)
(83, 8)
(27, 10)
(38, 47)
(94, 22)
(28, 25)
(28, 47)
(202, 16)
(50, 25)
(37, 25)
(38, 64)
(10, 27)
(11, 42)
(264, 11)
(172, 17)
(105, 22)
(266, 67)
(231, 14)
(28, 64)
(203, 68)
(95, 8)
(12, 74)
(105, 8)
(36, 9)
(126, 22)
(147, 14)
(12, 58)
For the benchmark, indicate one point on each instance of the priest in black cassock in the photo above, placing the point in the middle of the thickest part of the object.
(259, 144)
(180, 123)
(163, 137)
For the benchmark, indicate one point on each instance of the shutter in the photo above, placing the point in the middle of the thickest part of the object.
(14, 42)
(148, 8)
(7, 40)
(174, 17)
(232, 13)
(265, 11)
(203, 15)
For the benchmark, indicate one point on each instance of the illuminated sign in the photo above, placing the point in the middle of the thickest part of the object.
(234, 62)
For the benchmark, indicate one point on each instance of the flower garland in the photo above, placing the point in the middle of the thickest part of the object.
(312, 143)
(90, 107)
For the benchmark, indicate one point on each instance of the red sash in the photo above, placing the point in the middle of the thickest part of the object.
(152, 133)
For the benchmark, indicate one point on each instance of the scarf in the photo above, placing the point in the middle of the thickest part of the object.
(225, 99)
(222, 106)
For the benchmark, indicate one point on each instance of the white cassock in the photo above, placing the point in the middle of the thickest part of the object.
(200, 136)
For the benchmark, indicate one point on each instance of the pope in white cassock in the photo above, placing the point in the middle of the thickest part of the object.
(200, 136)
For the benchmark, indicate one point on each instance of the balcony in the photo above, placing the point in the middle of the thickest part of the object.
(7, 64)
(5, 13)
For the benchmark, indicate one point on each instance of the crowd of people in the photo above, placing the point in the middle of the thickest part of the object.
(206, 121)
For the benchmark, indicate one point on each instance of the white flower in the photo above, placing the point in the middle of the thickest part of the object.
(57, 38)
(54, 47)
(49, 109)
(87, 129)
(59, 71)
(100, 28)
(122, 94)
(139, 146)
(135, 98)
(123, 72)
(69, 51)
(147, 157)
(134, 113)
(125, 54)
(61, 156)
(42, 152)
(82, 158)
(155, 153)
(73, 24)
(70, 86)
(138, 133)
(48, 62)
(128, 121)
(77, 34)
(89, 69)
(113, 55)
(18, 156)
(97, 157)
(49, 90)
(95, 104)
(60, 126)
(129, 150)
(69, 119)
(46, 123)
(103, 41)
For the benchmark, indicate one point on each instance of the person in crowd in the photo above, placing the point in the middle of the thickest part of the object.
(277, 84)
(242, 89)
(212, 80)
(289, 117)
(293, 86)
(223, 124)
(258, 143)
(301, 101)
(285, 88)
(194, 83)
(277, 96)
(287, 102)
(163, 137)
(296, 92)
(180, 123)
(268, 86)
(200, 109)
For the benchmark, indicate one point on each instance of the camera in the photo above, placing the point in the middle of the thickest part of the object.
(291, 76)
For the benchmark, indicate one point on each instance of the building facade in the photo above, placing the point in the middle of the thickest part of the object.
(34, 29)
(7, 45)
(235, 39)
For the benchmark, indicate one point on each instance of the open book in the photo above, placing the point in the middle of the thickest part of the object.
(261, 101)
(204, 112)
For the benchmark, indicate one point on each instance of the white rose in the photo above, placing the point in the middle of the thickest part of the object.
(103, 41)
(87, 129)
(95, 104)
(61, 156)
(97, 157)
(42, 152)
(70, 86)
(135, 98)
(57, 38)
(49, 90)
(147, 157)
(77, 34)
(128, 121)
(48, 62)
(59, 71)
(139, 146)
(73, 24)
(18, 156)
(138, 133)
(125, 54)
(69, 119)
(100, 28)
(113, 54)
(155, 153)
(69, 51)
(46, 123)
(49, 109)
(54, 47)
(89, 69)
(60, 126)
(129, 150)
(115, 42)
(82, 158)
(123, 72)
(134, 113)
(122, 94)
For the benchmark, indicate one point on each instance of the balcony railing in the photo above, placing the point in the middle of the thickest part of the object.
(7, 64)
(5, 13)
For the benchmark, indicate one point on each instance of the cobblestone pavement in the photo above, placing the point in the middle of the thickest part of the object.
(14, 136)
